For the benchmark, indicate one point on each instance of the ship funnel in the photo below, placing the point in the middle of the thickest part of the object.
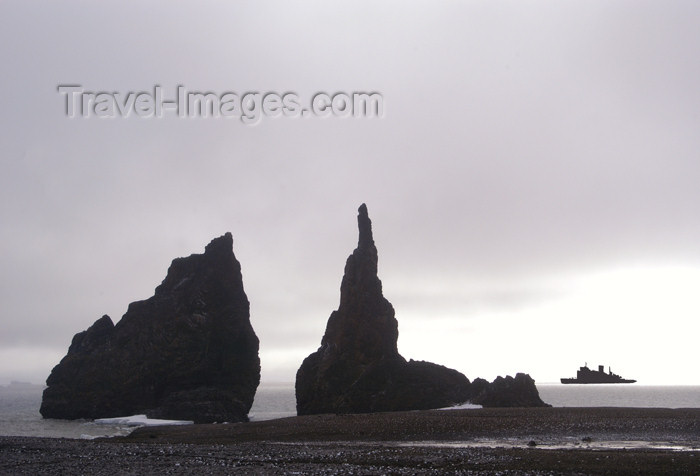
(601, 368)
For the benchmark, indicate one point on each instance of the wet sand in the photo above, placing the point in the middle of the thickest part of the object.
(486, 441)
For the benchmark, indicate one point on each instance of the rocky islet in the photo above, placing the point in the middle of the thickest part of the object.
(187, 353)
(358, 369)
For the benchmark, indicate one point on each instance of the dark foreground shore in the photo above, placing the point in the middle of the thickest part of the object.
(486, 441)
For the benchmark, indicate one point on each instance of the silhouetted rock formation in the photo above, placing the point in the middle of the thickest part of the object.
(358, 368)
(188, 353)
(507, 392)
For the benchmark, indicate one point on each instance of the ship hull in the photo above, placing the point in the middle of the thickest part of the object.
(575, 380)
(586, 375)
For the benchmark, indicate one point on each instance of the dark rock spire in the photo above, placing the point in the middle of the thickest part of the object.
(365, 225)
(364, 323)
(358, 367)
(187, 353)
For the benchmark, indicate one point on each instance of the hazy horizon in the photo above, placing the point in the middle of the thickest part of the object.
(532, 183)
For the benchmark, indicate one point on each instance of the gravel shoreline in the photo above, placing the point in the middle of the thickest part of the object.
(486, 441)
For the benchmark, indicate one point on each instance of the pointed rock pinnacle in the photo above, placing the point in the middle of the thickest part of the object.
(358, 367)
(365, 225)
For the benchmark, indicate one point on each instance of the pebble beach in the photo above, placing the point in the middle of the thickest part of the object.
(512, 441)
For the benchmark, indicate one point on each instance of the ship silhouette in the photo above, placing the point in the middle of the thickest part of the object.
(586, 375)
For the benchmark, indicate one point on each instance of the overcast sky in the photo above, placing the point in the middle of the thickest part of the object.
(533, 183)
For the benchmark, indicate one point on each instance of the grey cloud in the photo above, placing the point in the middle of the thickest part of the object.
(520, 142)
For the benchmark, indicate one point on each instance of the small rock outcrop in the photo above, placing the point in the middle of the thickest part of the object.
(188, 353)
(507, 392)
(358, 368)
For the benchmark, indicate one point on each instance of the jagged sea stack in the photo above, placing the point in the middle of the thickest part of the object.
(187, 353)
(520, 391)
(358, 368)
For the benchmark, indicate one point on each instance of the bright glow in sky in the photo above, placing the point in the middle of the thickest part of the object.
(533, 184)
(641, 321)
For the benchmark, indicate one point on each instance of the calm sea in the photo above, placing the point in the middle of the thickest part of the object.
(19, 406)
